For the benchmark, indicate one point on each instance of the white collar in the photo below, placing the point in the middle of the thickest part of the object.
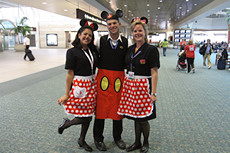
(119, 38)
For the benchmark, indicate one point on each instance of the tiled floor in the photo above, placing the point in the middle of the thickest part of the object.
(12, 64)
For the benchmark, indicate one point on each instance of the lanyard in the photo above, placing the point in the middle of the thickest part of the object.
(113, 47)
(90, 59)
(132, 57)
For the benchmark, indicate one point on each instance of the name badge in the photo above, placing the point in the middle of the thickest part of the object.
(131, 75)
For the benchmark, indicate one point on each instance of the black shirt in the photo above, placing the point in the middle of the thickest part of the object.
(143, 62)
(77, 61)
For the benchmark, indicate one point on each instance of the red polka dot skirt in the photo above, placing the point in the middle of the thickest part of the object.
(82, 98)
(135, 98)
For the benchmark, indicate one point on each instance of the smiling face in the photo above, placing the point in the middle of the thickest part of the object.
(113, 26)
(85, 37)
(139, 33)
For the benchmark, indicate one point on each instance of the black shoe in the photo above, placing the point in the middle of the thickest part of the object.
(84, 145)
(144, 148)
(61, 127)
(121, 144)
(133, 147)
(100, 145)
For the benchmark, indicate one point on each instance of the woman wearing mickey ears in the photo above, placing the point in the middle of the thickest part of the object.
(140, 84)
(112, 50)
(80, 96)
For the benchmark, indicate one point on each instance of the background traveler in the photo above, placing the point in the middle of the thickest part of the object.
(26, 41)
(208, 51)
(165, 46)
(190, 55)
(182, 44)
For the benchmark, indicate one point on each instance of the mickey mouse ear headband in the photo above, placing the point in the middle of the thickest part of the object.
(85, 22)
(107, 16)
(143, 20)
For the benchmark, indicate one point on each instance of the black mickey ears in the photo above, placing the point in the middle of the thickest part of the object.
(85, 22)
(143, 20)
(119, 13)
(107, 16)
(104, 15)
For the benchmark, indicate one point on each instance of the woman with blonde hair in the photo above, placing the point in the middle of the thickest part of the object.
(190, 55)
(139, 88)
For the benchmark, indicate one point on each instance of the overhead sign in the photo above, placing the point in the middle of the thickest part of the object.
(84, 15)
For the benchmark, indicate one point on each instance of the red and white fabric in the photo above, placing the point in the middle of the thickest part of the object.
(135, 98)
(82, 98)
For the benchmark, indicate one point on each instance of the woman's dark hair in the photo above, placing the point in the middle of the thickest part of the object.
(76, 43)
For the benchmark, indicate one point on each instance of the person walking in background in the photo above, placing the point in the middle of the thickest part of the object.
(112, 50)
(165, 46)
(182, 44)
(140, 85)
(208, 51)
(190, 55)
(26, 41)
(80, 96)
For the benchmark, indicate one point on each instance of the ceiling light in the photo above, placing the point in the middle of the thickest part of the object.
(159, 8)
(180, 7)
(147, 4)
(161, 1)
(195, 4)
(148, 10)
(187, 0)
(125, 5)
(44, 3)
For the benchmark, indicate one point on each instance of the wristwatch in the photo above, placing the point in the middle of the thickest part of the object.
(153, 94)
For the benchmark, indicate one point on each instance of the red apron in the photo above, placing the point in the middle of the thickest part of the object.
(109, 85)
(135, 98)
(82, 98)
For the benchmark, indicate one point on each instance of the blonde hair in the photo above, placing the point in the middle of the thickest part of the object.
(190, 42)
(143, 25)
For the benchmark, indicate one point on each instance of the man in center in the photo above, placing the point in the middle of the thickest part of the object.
(112, 50)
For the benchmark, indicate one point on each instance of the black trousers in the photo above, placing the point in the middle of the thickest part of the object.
(27, 48)
(190, 62)
(98, 129)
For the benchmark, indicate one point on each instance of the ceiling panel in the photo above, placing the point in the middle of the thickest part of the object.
(161, 13)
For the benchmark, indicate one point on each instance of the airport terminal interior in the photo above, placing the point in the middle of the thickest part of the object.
(192, 108)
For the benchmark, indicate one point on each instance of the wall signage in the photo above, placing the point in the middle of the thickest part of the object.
(82, 14)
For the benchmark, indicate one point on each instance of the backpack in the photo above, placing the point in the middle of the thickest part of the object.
(202, 50)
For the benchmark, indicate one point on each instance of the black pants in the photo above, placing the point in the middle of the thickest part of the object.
(27, 48)
(98, 129)
(190, 62)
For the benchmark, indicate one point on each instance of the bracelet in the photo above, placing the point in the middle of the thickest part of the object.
(153, 94)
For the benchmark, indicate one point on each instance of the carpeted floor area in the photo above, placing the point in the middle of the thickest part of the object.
(192, 113)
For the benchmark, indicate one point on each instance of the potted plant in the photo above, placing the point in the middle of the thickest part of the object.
(21, 30)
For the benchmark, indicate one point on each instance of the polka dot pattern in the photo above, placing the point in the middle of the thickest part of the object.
(135, 98)
(82, 107)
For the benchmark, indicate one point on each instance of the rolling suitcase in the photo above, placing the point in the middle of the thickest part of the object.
(30, 55)
(221, 64)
